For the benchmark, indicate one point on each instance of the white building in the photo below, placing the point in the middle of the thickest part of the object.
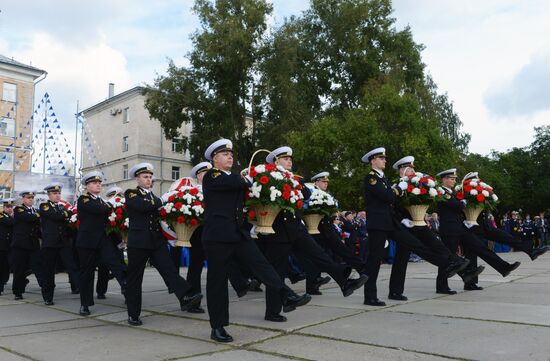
(122, 134)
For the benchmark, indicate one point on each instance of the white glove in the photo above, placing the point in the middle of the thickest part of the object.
(253, 232)
(172, 242)
(112, 201)
(403, 185)
(407, 223)
(465, 202)
(468, 225)
(249, 179)
(167, 195)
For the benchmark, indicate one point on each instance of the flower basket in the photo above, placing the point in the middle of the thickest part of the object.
(312, 222)
(184, 233)
(418, 214)
(472, 213)
(184, 211)
(118, 219)
(265, 216)
(273, 189)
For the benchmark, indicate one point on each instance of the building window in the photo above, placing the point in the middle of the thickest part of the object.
(126, 115)
(7, 127)
(9, 93)
(125, 171)
(125, 144)
(175, 173)
(6, 161)
(176, 143)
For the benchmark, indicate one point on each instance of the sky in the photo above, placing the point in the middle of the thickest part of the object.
(491, 57)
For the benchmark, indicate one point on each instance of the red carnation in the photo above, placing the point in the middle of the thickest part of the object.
(196, 203)
(410, 188)
(178, 205)
(180, 194)
(286, 187)
(117, 199)
(460, 196)
(251, 214)
(467, 188)
(423, 190)
(74, 210)
(299, 187)
(118, 216)
(78, 222)
(480, 197)
(423, 180)
(171, 198)
(270, 167)
(118, 211)
(286, 196)
(479, 188)
(296, 178)
(163, 212)
(253, 173)
(180, 219)
(193, 222)
(264, 180)
(113, 223)
(299, 204)
(193, 191)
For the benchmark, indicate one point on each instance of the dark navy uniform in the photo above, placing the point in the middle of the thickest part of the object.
(25, 247)
(55, 243)
(226, 237)
(94, 247)
(528, 231)
(6, 231)
(383, 225)
(453, 232)
(145, 241)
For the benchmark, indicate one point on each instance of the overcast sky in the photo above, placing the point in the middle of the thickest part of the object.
(492, 57)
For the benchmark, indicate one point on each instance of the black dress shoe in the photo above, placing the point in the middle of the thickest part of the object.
(220, 335)
(354, 283)
(374, 302)
(297, 277)
(101, 296)
(18, 297)
(254, 286)
(275, 318)
(84, 311)
(538, 252)
(470, 275)
(293, 301)
(196, 309)
(48, 303)
(323, 280)
(472, 287)
(314, 292)
(190, 301)
(457, 266)
(446, 292)
(134, 321)
(26, 281)
(511, 268)
(397, 297)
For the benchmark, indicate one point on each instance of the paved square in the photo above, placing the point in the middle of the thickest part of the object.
(509, 320)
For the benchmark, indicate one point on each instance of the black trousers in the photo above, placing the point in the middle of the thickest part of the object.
(103, 273)
(401, 260)
(50, 257)
(196, 261)
(472, 246)
(331, 241)
(21, 261)
(220, 256)
(408, 243)
(277, 254)
(175, 255)
(89, 259)
(137, 260)
(4, 269)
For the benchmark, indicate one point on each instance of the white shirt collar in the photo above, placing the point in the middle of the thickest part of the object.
(448, 189)
(228, 172)
(380, 173)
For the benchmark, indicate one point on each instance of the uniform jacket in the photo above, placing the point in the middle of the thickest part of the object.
(53, 220)
(143, 213)
(26, 228)
(6, 231)
(379, 198)
(224, 219)
(451, 216)
(93, 214)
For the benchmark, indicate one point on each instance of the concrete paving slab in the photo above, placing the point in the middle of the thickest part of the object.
(50, 326)
(27, 314)
(514, 292)
(441, 336)
(201, 329)
(321, 349)
(508, 312)
(8, 356)
(113, 343)
(241, 355)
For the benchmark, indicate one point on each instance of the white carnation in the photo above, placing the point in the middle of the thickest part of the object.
(432, 192)
(260, 168)
(495, 198)
(473, 183)
(473, 192)
(485, 193)
(277, 175)
(416, 191)
(431, 183)
(415, 179)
